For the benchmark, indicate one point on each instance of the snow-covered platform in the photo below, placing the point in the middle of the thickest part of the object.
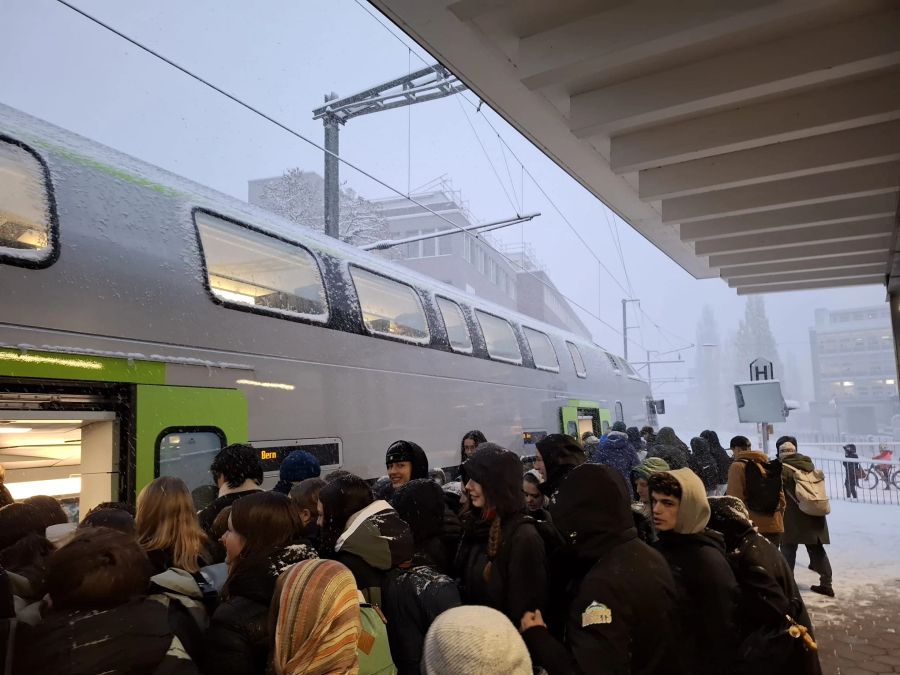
(859, 629)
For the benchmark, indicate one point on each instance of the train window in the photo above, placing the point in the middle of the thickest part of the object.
(577, 361)
(499, 337)
(247, 268)
(542, 350)
(27, 214)
(620, 412)
(613, 362)
(187, 453)
(457, 329)
(389, 307)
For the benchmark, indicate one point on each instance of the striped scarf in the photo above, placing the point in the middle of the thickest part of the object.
(318, 624)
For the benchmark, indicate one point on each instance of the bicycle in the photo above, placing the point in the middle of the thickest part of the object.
(870, 477)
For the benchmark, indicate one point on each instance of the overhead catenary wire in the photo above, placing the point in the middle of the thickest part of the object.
(311, 142)
(629, 292)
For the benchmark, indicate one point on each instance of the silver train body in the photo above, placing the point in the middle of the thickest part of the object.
(129, 280)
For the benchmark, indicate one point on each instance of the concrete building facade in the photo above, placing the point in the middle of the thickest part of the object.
(853, 369)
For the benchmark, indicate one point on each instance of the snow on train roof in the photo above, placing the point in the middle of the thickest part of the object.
(69, 145)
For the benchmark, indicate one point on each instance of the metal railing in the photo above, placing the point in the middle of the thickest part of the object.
(861, 480)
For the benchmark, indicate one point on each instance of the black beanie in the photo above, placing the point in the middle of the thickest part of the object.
(421, 504)
(407, 451)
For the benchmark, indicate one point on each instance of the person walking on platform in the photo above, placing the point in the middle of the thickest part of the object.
(802, 528)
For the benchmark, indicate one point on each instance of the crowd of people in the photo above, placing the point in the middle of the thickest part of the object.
(626, 552)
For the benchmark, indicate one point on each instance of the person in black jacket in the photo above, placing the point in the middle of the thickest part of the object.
(237, 473)
(417, 592)
(704, 464)
(620, 596)
(501, 560)
(769, 594)
(722, 458)
(850, 470)
(707, 591)
(260, 545)
(100, 620)
(555, 456)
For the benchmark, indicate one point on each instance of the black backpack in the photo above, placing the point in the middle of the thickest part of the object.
(762, 485)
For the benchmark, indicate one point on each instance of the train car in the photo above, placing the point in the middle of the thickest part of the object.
(146, 321)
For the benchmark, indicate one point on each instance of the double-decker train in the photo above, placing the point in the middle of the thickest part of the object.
(146, 321)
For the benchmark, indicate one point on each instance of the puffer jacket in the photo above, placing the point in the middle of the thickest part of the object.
(415, 595)
(616, 452)
(237, 642)
(376, 540)
(132, 639)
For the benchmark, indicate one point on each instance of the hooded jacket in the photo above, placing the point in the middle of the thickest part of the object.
(703, 463)
(799, 527)
(375, 540)
(667, 436)
(768, 592)
(613, 575)
(237, 642)
(670, 454)
(517, 581)
(617, 452)
(766, 523)
(561, 454)
(707, 591)
(720, 455)
(132, 639)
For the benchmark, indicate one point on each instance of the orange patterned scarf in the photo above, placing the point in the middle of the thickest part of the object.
(318, 622)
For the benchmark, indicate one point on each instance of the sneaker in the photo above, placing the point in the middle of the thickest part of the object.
(823, 590)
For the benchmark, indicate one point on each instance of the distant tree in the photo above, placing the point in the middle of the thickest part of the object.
(754, 340)
(298, 196)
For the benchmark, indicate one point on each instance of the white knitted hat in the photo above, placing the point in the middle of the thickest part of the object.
(474, 640)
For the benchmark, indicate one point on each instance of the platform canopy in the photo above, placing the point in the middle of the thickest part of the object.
(756, 140)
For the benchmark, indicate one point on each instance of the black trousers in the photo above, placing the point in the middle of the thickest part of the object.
(850, 480)
(818, 560)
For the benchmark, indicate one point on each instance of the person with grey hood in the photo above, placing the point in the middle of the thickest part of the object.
(707, 591)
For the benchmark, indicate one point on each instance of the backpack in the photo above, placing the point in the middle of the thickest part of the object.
(762, 485)
(809, 492)
(373, 648)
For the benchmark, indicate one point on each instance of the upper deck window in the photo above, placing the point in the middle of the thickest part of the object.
(27, 233)
(577, 361)
(499, 337)
(390, 307)
(542, 350)
(457, 330)
(251, 269)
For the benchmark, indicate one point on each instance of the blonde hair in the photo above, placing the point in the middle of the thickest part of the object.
(166, 521)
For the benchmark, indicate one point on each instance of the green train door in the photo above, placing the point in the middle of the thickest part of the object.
(578, 417)
(88, 429)
(179, 430)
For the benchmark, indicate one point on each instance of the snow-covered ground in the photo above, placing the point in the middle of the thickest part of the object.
(865, 547)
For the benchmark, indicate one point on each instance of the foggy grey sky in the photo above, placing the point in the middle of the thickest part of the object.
(282, 57)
